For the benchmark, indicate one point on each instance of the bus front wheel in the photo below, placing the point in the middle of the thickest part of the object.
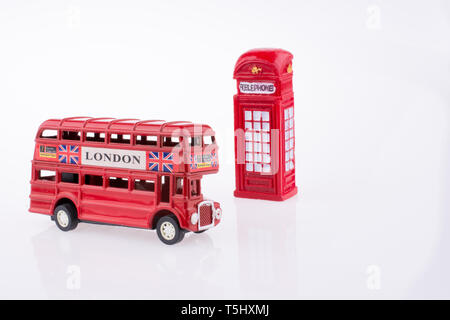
(65, 217)
(169, 231)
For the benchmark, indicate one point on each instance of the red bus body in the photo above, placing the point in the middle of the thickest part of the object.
(264, 125)
(125, 171)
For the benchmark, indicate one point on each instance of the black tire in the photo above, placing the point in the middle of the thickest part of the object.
(169, 231)
(65, 216)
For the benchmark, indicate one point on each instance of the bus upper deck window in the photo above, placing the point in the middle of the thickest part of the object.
(146, 140)
(95, 136)
(120, 138)
(207, 140)
(195, 141)
(49, 134)
(71, 135)
(171, 141)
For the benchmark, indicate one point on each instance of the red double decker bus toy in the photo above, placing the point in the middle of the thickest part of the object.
(143, 174)
(264, 125)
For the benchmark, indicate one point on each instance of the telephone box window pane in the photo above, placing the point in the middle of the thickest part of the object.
(289, 138)
(257, 137)
(256, 115)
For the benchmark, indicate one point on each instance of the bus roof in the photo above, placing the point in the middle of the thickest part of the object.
(129, 126)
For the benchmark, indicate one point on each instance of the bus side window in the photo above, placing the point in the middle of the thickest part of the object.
(170, 141)
(195, 188)
(195, 141)
(49, 134)
(179, 185)
(95, 136)
(144, 185)
(93, 180)
(47, 175)
(207, 140)
(69, 177)
(71, 135)
(120, 138)
(146, 140)
(117, 182)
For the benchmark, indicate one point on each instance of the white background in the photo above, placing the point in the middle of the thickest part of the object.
(371, 82)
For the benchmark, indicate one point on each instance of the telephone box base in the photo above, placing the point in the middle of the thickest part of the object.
(265, 196)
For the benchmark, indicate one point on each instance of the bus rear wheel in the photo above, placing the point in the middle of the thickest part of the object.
(169, 231)
(65, 217)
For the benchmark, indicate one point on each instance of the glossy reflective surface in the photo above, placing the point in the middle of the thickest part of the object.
(371, 219)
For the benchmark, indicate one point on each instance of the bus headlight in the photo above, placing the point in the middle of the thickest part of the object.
(218, 213)
(194, 218)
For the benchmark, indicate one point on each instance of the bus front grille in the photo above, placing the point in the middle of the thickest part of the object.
(206, 214)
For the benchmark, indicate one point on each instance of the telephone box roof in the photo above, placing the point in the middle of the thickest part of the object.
(277, 58)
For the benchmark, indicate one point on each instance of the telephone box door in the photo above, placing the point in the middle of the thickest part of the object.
(258, 167)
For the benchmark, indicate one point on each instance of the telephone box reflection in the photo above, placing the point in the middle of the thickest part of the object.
(267, 249)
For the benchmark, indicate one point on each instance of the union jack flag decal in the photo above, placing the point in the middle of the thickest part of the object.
(160, 161)
(214, 160)
(68, 154)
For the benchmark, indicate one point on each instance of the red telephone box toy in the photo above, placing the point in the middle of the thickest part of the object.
(264, 125)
